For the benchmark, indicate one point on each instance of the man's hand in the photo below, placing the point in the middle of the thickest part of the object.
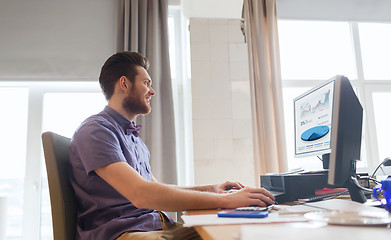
(225, 187)
(249, 196)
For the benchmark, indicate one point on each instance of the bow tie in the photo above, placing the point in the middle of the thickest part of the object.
(132, 129)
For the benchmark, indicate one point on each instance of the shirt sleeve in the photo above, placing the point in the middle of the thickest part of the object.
(97, 145)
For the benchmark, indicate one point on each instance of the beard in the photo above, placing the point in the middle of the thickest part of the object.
(135, 105)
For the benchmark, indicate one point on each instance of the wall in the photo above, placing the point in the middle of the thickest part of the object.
(222, 129)
(227, 9)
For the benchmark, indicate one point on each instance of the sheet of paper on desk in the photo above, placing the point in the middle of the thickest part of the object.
(295, 209)
(212, 219)
(344, 205)
(251, 232)
(332, 204)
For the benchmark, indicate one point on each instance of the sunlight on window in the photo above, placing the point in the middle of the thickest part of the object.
(375, 39)
(382, 117)
(13, 127)
(63, 112)
(313, 50)
(172, 47)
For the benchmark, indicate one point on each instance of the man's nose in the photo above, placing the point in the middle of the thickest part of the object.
(152, 92)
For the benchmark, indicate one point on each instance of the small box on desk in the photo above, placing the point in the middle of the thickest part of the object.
(291, 187)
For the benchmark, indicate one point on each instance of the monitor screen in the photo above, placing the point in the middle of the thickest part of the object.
(313, 112)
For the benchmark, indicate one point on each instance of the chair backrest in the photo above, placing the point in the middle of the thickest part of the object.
(62, 196)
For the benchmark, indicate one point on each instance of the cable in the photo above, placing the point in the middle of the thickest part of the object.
(367, 177)
(354, 180)
(383, 162)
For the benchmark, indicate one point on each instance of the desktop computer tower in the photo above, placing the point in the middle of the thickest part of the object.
(291, 187)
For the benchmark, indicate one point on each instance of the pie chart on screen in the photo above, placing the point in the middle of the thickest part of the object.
(315, 133)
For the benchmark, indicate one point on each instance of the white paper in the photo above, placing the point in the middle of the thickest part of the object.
(295, 209)
(344, 205)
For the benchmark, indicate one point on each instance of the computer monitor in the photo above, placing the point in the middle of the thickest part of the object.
(328, 122)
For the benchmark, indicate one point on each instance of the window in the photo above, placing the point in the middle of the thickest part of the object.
(375, 39)
(314, 51)
(13, 127)
(29, 108)
(180, 76)
(382, 121)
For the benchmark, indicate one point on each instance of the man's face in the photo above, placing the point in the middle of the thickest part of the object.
(140, 93)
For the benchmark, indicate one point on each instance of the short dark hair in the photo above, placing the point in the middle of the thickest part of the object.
(118, 65)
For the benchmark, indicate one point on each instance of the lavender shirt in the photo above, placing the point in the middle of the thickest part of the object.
(102, 212)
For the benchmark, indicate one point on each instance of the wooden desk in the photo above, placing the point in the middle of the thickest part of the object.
(215, 232)
(232, 232)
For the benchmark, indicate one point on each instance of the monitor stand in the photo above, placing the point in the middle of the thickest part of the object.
(355, 190)
(326, 160)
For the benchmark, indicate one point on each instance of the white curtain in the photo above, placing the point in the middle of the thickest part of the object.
(266, 86)
(142, 27)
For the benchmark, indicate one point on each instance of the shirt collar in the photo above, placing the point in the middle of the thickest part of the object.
(122, 121)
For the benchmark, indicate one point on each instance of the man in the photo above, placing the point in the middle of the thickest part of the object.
(118, 197)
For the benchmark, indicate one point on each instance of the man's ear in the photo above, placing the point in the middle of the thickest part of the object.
(123, 83)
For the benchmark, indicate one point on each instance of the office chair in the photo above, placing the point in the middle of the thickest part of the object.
(62, 196)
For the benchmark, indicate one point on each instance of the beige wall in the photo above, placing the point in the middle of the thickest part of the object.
(222, 128)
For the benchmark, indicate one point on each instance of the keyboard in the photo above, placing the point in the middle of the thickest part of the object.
(253, 208)
(322, 197)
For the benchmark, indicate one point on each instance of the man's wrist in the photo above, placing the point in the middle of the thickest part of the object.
(222, 201)
(214, 188)
(208, 188)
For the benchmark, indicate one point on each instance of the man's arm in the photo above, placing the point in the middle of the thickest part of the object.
(153, 195)
(216, 188)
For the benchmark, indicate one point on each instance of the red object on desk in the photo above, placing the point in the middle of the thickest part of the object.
(325, 191)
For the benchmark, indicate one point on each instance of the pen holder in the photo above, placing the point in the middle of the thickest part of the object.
(386, 190)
